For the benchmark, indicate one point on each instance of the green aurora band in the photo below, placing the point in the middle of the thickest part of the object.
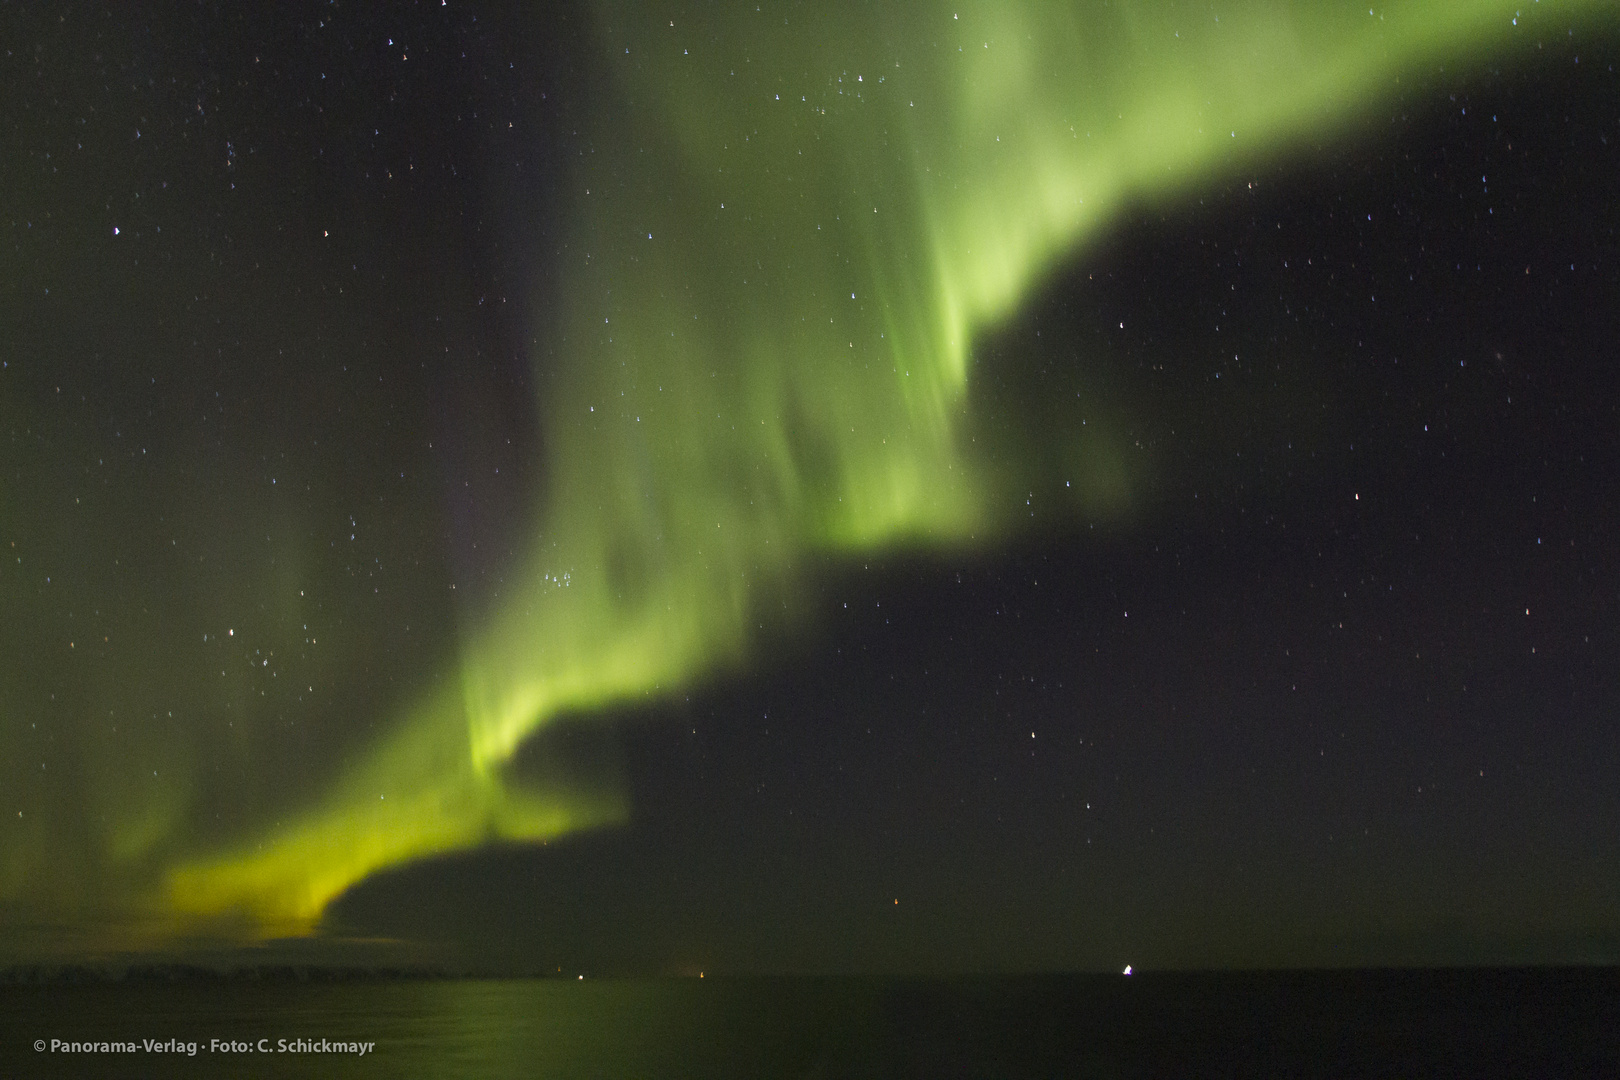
(782, 244)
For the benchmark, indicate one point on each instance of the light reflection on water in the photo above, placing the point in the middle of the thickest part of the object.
(472, 1028)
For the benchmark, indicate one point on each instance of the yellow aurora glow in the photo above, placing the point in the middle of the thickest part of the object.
(783, 243)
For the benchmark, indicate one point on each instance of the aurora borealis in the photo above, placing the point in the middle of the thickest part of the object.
(743, 287)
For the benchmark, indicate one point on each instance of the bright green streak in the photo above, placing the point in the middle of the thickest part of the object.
(786, 234)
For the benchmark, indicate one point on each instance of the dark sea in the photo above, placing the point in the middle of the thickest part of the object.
(1461, 1023)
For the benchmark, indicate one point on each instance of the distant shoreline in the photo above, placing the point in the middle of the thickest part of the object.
(161, 974)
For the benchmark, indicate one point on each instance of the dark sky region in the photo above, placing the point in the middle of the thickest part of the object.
(1276, 623)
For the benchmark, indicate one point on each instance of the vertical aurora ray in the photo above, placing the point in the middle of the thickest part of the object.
(785, 235)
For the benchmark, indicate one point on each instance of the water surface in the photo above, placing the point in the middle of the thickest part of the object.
(1430, 1023)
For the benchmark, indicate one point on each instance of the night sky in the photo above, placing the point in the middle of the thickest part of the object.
(905, 489)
